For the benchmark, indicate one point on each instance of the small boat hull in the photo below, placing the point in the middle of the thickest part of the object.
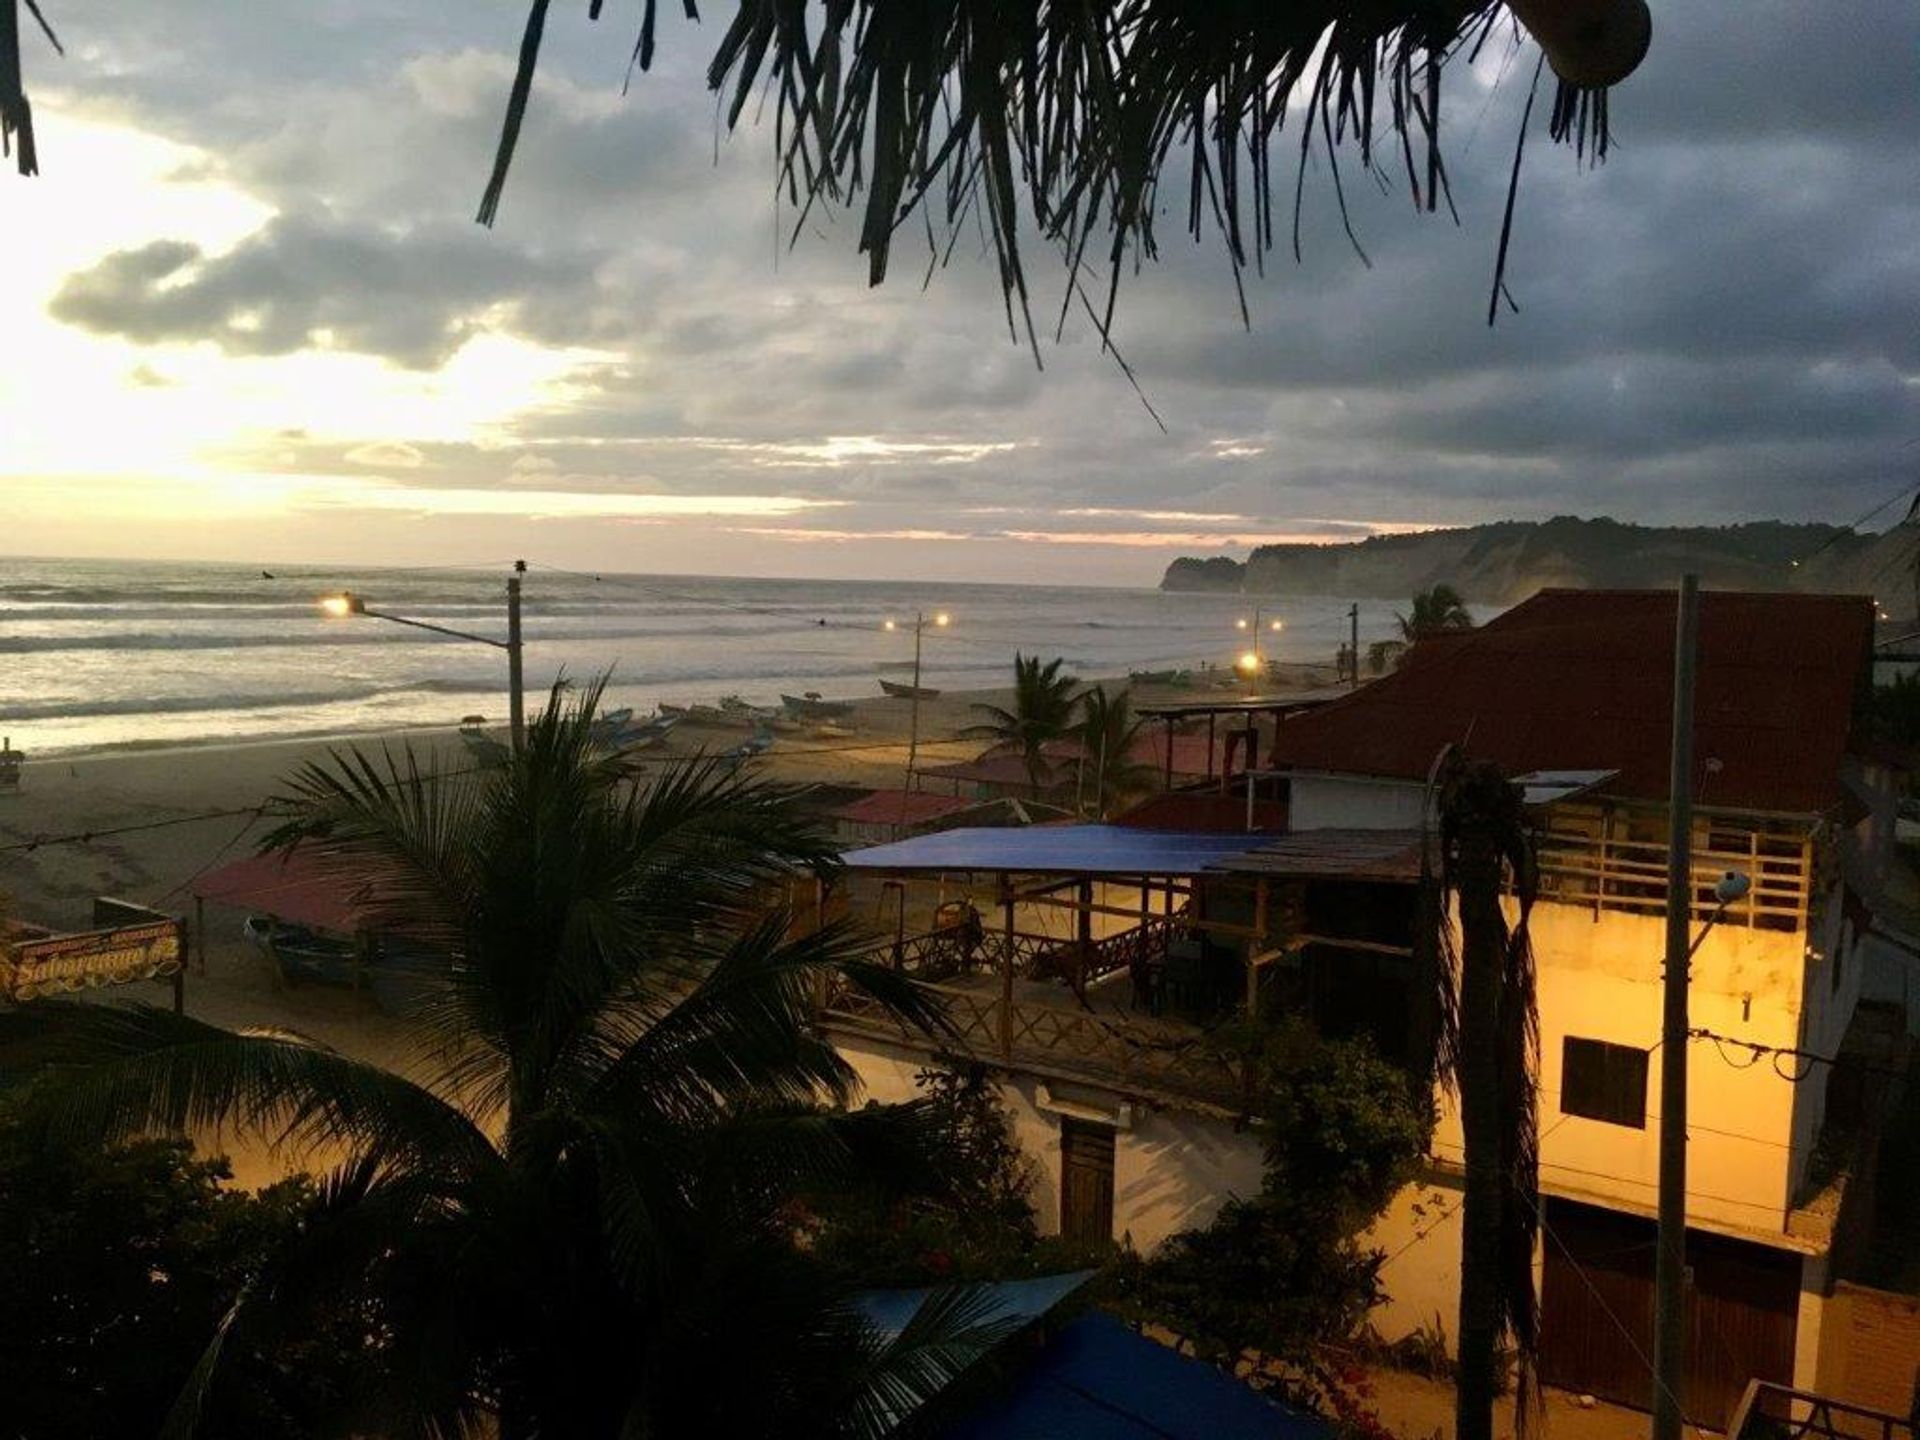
(806, 707)
(909, 692)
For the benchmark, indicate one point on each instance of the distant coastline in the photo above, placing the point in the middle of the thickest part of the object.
(1504, 562)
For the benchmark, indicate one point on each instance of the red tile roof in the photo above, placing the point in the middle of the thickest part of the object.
(1584, 678)
(900, 807)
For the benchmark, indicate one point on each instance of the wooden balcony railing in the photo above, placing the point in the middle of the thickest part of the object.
(1609, 873)
(1102, 1048)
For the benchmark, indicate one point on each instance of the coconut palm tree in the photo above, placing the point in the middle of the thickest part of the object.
(978, 110)
(572, 1216)
(1488, 1052)
(1434, 610)
(1109, 731)
(1044, 707)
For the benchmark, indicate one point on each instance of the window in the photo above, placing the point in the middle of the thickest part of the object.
(1086, 1181)
(1603, 1082)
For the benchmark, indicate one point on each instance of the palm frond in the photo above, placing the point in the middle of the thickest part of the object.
(1065, 118)
(953, 1329)
(744, 1037)
(131, 1070)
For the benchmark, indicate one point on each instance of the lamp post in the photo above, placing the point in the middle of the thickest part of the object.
(347, 603)
(920, 622)
(1253, 662)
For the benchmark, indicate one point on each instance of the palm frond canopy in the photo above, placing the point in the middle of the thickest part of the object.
(574, 1202)
(16, 115)
(1045, 703)
(954, 111)
(1435, 610)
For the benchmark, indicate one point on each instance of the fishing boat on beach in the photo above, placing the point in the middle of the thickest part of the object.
(645, 735)
(811, 707)
(909, 692)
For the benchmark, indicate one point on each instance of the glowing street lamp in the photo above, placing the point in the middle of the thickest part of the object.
(1252, 662)
(346, 603)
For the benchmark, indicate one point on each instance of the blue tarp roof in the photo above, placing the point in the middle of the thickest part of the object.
(1057, 850)
(1097, 1380)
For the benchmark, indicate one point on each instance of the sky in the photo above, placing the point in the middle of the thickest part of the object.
(245, 314)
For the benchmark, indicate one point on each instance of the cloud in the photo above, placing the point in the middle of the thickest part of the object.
(316, 283)
(1714, 325)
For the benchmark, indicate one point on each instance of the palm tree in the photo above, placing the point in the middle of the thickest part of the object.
(968, 108)
(1434, 611)
(1044, 707)
(1109, 732)
(1488, 1050)
(574, 1218)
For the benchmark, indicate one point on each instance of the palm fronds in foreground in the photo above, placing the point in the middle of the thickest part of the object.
(959, 111)
(574, 1219)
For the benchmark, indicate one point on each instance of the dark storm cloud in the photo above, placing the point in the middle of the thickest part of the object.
(1718, 323)
(411, 298)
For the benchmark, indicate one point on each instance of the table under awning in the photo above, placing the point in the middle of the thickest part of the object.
(1089, 850)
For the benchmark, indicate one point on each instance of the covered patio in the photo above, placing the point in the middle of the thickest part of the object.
(1108, 952)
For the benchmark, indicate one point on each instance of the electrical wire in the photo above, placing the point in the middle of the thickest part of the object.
(1775, 1054)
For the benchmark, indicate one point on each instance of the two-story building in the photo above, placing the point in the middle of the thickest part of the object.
(1087, 964)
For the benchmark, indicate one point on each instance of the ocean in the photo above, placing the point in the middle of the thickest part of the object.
(107, 654)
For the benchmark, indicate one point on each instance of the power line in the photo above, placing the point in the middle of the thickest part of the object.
(1774, 1054)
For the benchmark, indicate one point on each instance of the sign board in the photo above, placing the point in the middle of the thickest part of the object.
(63, 964)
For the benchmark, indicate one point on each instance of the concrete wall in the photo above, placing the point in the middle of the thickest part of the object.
(1870, 1350)
(1600, 979)
(1350, 802)
(1420, 1234)
(1172, 1169)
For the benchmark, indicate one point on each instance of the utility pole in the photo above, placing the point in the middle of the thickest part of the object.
(516, 680)
(1353, 645)
(1670, 1259)
(913, 723)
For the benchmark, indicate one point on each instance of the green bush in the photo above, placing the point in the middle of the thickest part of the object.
(119, 1266)
(1280, 1273)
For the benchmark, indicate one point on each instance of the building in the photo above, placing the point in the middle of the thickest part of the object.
(1095, 963)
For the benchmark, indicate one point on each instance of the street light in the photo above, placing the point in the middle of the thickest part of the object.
(1255, 628)
(346, 603)
(920, 622)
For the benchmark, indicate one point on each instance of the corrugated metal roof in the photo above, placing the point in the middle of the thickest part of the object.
(1054, 850)
(1386, 855)
(1584, 679)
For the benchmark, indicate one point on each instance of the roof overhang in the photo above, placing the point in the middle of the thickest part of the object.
(1550, 787)
(1388, 856)
(1090, 850)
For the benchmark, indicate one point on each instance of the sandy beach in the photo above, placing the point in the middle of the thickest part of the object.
(83, 808)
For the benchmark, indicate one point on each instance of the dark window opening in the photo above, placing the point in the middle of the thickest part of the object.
(1602, 1081)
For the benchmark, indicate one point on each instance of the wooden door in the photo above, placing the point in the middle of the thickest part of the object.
(1743, 1303)
(1596, 1312)
(1086, 1181)
(1599, 1271)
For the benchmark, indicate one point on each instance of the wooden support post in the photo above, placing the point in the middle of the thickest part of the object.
(1255, 947)
(200, 933)
(1006, 972)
